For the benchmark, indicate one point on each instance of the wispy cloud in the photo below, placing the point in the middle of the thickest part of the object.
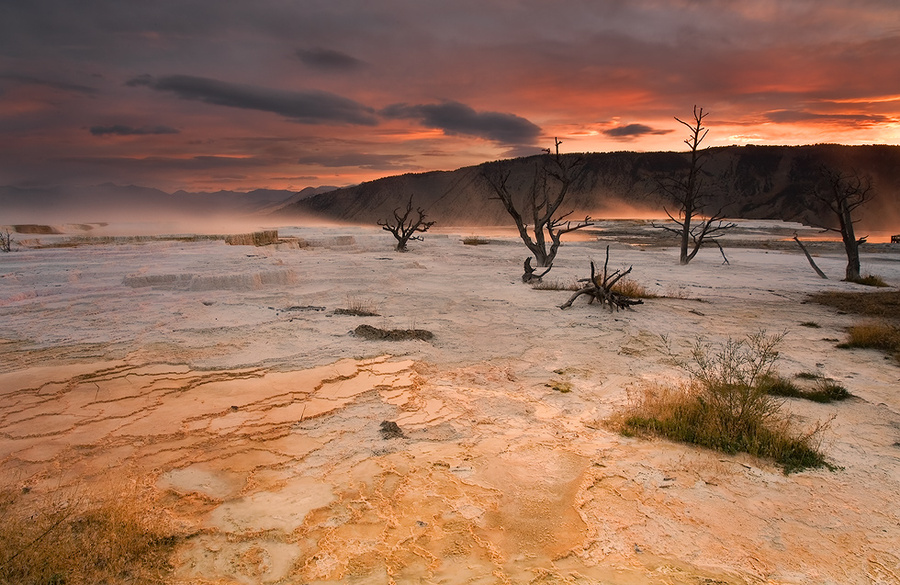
(380, 162)
(122, 130)
(52, 83)
(329, 60)
(307, 107)
(456, 118)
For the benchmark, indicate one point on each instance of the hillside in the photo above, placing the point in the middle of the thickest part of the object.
(754, 182)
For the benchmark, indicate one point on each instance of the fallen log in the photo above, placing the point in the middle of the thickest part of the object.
(808, 257)
(600, 288)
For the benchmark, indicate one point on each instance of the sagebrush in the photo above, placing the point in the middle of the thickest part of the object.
(725, 406)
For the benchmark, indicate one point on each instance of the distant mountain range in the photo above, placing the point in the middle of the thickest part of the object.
(759, 182)
(754, 182)
(109, 202)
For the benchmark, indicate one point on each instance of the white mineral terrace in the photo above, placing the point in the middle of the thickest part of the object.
(222, 376)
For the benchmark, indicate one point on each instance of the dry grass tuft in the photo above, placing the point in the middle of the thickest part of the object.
(884, 334)
(116, 537)
(881, 336)
(558, 284)
(874, 335)
(726, 407)
(359, 308)
(824, 390)
(475, 241)
(884, 304)
(633, 289)
(871, 280)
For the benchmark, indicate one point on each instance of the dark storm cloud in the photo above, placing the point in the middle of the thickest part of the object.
(55, 84)
(121, 130)
(457, 118)
(308, 107)
(379, 162)
(633, 131)
(328, 60)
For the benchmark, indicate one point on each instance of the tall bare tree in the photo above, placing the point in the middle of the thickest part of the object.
(536, 211)
(842, 192)
(404, 226)
(689, 194)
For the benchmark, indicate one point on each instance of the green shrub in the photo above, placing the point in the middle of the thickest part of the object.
(726, 406)
(824, 390)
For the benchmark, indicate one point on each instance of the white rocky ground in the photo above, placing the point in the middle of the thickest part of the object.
(222, 375)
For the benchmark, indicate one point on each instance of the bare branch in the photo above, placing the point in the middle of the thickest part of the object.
(553, 177)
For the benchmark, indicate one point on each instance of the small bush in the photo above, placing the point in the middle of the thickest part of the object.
(726, 406)
(475, 241)
(811, 325)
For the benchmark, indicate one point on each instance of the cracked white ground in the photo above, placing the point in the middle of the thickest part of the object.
(222, 375)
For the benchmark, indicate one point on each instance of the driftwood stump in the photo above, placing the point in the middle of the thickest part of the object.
(599, 288)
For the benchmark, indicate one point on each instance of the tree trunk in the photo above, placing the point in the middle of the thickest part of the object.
(852, 248)
(851, 244)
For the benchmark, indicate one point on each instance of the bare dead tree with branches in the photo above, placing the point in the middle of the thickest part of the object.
(404, 226)
(842, 192)
(600, 289)
(688, 192)
(538, 209)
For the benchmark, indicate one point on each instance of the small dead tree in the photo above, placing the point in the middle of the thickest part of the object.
(6, 241)
(688, 192)
(404, 226)
(539, 208)
(600, 288)
(842, 192)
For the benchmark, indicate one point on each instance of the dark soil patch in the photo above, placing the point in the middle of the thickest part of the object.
(356, 312)
(369, 332)
(391, 430)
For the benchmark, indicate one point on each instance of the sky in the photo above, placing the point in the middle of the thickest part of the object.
(205, 95)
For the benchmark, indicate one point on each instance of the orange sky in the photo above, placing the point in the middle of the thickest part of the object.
(226, 94)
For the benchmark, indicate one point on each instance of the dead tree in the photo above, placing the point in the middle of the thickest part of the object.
(600, 288)
(405, 226)
(689, 194)
(6, 241)
(539, 208)
(842, 192)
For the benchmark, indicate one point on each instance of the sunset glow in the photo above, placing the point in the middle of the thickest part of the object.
(209, 95)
